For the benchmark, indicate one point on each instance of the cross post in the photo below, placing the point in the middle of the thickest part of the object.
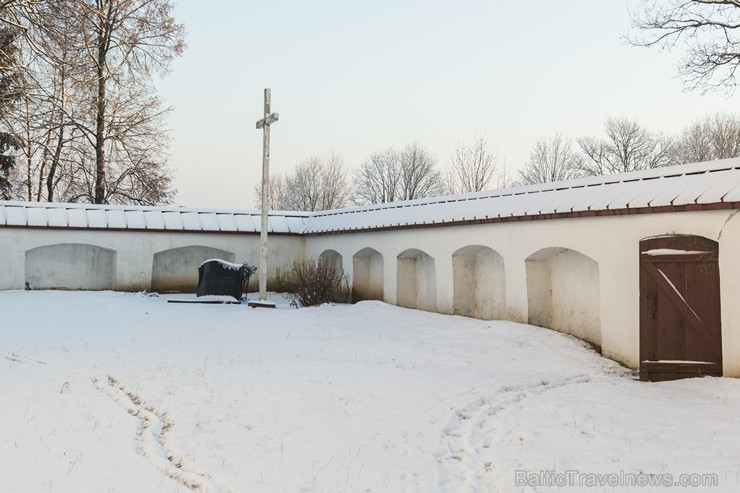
(264, 124)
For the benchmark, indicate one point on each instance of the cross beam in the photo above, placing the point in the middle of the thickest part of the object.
(268, 120)
(264, 124)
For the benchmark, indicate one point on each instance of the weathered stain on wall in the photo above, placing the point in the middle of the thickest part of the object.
(70, 266)
(367, 275)
(479, 283)
(417, 280)
(563, 293)
(172, 269)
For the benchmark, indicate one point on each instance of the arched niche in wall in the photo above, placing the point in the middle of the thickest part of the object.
(367, 275)
(416, 280)
(479, 284)
(176, 269)
(71, 266)
(334, 257)
(563, 293)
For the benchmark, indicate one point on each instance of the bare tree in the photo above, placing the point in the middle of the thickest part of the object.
(10, 4)
(392, 175)
(376, 181)
(473, 167)
(125, 41)
(303, 187)
(709, 28)
(336, 189)
(551, 159)
(93, 127)
(44, 120)
(419, 176)
(627, 147)
(712, 137)
(275, 193)
(9, 10)
(504, 178)
(316, 184)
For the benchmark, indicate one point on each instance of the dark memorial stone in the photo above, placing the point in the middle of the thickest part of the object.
(220, 278)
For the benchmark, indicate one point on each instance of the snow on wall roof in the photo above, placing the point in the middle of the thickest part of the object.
(690, 185)
(714, 184)
(120, 217)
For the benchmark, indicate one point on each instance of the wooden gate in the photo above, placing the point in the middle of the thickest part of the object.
(680, 324)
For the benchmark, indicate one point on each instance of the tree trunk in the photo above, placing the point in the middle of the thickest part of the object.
(29, 148)
(100, 123)
(54, 165)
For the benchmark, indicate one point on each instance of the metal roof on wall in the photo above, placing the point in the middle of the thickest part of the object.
(143, 218)
(710, 185)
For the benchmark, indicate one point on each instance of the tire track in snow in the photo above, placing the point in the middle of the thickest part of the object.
(151, 435)
(462, 460)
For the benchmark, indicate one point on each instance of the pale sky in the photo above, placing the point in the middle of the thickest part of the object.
(355, 77)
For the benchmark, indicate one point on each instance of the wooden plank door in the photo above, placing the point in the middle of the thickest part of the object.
(680, 323)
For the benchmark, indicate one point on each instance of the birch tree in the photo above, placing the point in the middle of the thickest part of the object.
(9, 94)
(45, 118)
(125, 42)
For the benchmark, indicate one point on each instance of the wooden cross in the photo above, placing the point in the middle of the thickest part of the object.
(264, 124)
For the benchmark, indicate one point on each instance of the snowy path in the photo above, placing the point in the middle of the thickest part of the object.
(464, 458)
(357, 398)
(151, 434)
(152, 439)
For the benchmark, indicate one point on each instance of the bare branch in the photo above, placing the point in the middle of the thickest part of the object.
(712, 137)
(473, 167)
(710, 30)
(551, 159)
(316, 184)
(627, 147)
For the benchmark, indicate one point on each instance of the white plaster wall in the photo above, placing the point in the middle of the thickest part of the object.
(416, 280)
(479, 283)
(407, 282)
(729, 279)
(135, 251)
(539, 292)
(563, 293)
(465, 286)
(348, 245)
(13, 259)
(172, 269)
(612, 242)
(576, 302)
(71, 266)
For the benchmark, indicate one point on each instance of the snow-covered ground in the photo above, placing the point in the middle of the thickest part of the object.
(123, 392)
